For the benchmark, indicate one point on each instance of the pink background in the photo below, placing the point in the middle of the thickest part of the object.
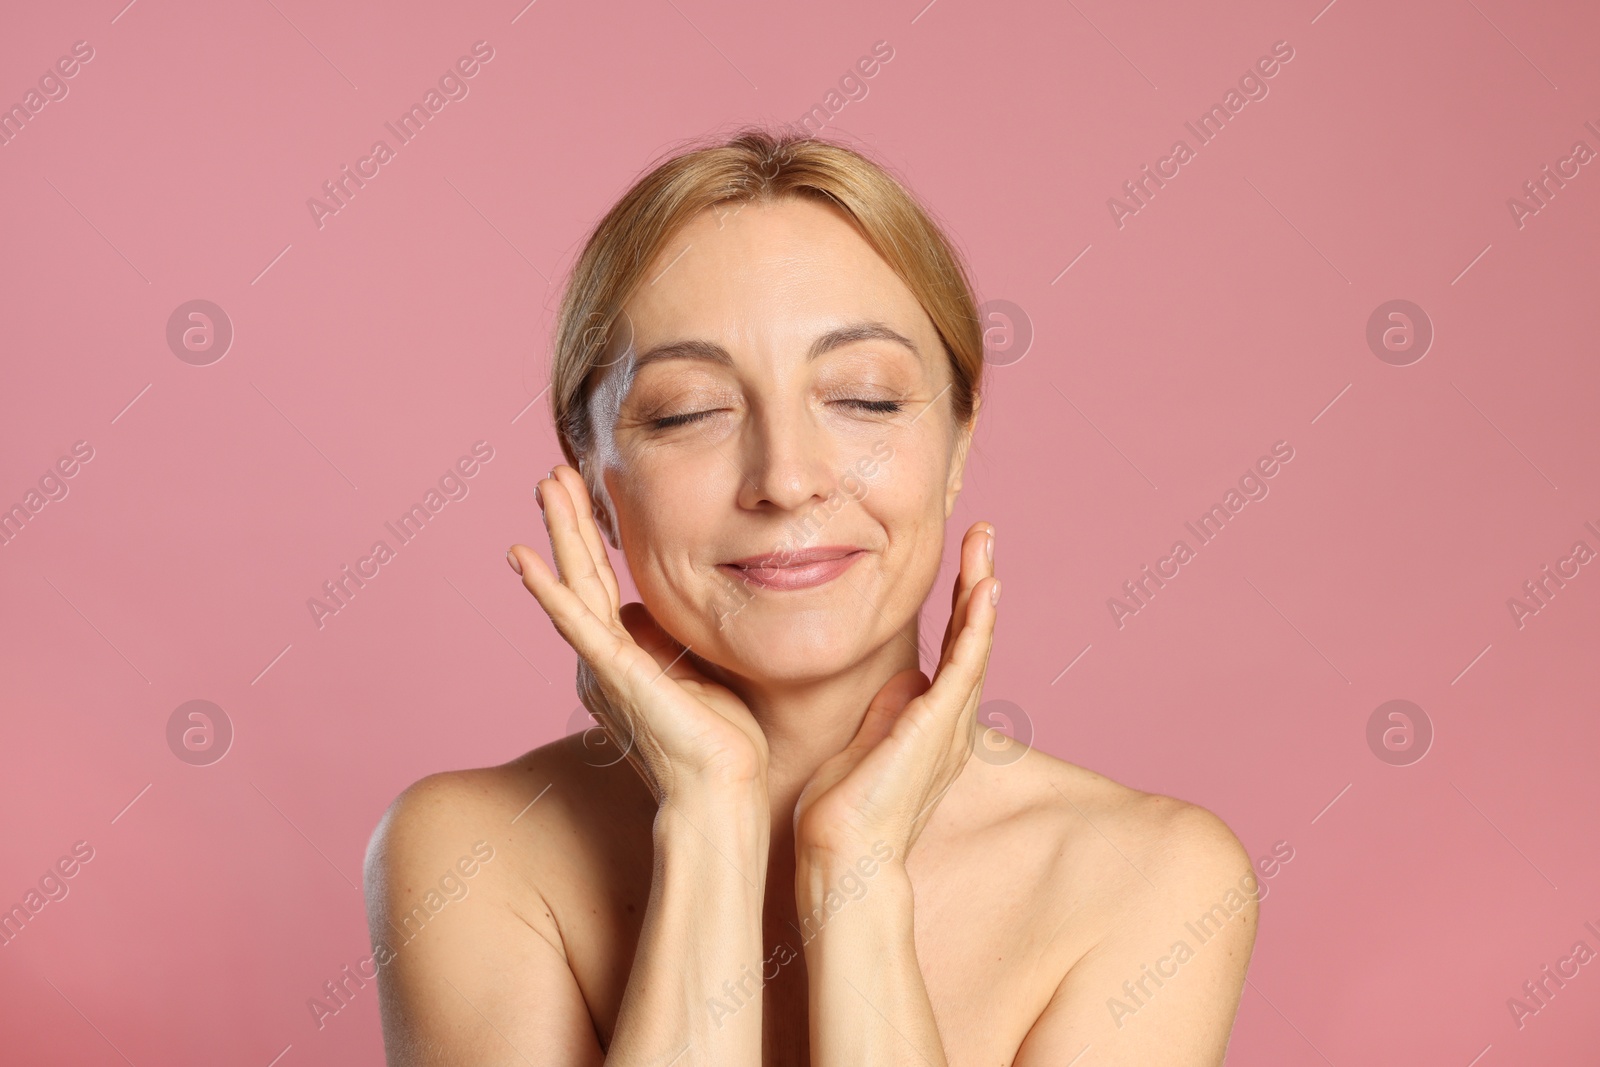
(1228, 314)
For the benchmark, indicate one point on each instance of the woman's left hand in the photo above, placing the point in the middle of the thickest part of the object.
(916, 737)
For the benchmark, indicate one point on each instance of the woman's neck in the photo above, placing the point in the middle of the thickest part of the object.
(807, 724)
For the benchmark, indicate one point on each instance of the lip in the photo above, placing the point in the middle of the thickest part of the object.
(805, 569)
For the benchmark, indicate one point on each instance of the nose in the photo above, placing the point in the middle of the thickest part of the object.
(786, 461)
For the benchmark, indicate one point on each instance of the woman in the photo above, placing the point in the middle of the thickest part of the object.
(766, 380)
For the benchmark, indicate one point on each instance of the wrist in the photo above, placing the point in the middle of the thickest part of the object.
(834, 878)
(728, 818)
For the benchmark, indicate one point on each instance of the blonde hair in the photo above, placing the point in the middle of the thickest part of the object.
(755, 165)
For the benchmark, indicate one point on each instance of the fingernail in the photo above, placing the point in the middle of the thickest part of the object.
(989, 546)
(994, 594)
(512, 559)
(539, 496)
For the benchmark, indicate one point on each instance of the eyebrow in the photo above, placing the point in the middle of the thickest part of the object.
(837, 338)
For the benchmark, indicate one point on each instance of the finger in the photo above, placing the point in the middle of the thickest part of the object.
(574, 563)
(589, 635)
(578, 489)
(623, 673)
(958, 687)
(976, 565)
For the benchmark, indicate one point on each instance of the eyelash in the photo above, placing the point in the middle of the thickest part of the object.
(882, 407)
(678, 420)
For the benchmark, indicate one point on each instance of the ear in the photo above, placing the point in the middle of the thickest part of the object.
(600, 498)
(958, 457)
(602, 519)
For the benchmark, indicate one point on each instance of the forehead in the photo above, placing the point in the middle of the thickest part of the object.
(764, 276)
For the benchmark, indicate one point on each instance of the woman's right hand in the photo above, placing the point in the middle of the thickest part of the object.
(681, 731)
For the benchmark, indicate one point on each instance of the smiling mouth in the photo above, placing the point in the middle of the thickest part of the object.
(786, 571)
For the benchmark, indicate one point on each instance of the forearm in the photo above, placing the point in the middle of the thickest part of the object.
(701, 929)
(867, 998)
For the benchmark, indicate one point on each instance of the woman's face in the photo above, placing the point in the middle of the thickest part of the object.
(777, 442)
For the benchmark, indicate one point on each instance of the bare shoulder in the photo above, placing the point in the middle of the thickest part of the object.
(1162, 899)
(1149, 836)
(436, 831)
(439, 812)
(435, 810)
(545, 807)
(466, 875)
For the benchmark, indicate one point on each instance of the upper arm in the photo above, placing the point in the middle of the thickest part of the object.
(470, 968)
(1163, 984)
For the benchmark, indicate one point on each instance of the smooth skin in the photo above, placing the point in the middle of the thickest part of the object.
(780, 850)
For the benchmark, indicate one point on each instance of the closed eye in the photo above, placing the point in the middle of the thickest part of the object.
(882, 407)
(885, 407)
(670, 421)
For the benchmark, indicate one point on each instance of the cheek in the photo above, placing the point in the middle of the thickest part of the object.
(904, 497)
(666, 514)
(902, 483)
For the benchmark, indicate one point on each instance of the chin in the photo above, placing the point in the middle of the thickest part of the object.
(796, 645)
